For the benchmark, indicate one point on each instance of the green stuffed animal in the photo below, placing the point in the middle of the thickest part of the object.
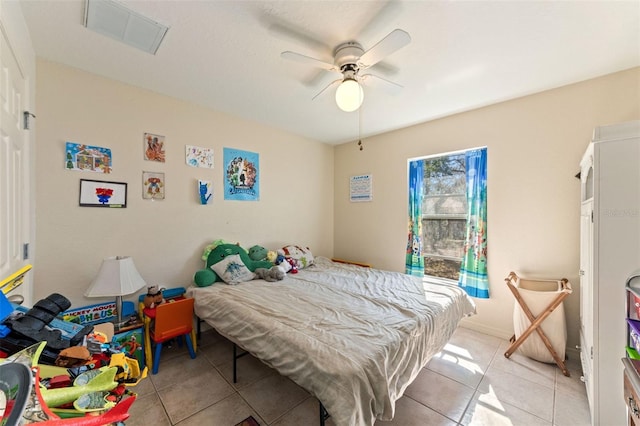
(258, 253)
(206, 277)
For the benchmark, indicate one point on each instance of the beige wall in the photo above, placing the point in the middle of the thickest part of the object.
(534, 147)
(165, 237)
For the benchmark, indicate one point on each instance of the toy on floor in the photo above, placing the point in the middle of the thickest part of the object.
(129, 372)
(33, 324)
(105, 381)
(74, 356)
(39, 407)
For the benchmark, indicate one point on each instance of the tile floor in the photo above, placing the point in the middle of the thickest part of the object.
(469, 382)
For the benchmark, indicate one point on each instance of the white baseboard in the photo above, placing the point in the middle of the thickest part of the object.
(481, 328)
(570, 352)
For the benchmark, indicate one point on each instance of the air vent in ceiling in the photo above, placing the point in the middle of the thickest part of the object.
(114, 20)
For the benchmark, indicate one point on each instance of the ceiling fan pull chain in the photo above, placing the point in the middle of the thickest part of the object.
(360, 129)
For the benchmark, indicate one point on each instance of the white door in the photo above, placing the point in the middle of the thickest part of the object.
(14, 168)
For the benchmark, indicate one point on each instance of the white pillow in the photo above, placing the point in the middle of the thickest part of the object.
(302, 255)
(232, 270)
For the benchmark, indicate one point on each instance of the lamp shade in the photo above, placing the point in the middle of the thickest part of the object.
(349, 95)
(117, 276)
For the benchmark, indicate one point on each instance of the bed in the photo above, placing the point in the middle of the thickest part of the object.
(354, 337)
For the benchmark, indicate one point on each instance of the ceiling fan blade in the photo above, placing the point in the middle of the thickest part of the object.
(385, 68)
(389, 85)
(293, 56)
(326, 87)
(395, 40)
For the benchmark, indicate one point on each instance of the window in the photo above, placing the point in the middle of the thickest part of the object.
(447, 221)
(444, 215)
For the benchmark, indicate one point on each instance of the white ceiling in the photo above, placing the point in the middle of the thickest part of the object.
(225, 55)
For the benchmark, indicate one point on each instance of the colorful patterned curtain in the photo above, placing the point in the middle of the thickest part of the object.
(473, 271)
(415, 260)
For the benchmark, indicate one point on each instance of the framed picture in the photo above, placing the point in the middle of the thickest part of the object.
(153, 186)
(96, 193)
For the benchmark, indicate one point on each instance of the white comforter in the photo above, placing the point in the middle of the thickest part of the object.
(354, 337)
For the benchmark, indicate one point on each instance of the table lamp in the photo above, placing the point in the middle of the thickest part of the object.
(117, 277)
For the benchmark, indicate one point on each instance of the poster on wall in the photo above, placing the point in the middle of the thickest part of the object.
(360, 188)
(153, 186)
(242, 179)
(154, 147)
(199, 157)
(86, 158)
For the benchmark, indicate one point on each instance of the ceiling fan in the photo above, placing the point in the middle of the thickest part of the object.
(350, 60)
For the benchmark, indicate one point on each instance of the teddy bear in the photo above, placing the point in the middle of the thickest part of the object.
(153, 297)
(228, 263)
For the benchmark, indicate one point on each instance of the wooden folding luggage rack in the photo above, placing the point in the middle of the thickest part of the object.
(565, 290)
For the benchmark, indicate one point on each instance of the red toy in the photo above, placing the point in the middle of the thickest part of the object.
(61, 381)
(292, 262)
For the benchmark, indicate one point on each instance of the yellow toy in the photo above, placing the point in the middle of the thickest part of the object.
(128, 369)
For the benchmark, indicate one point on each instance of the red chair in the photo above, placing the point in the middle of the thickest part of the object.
(172, 319)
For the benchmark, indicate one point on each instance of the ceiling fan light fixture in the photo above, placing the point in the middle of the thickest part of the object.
(349, 95)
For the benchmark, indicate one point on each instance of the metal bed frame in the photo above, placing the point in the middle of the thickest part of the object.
(323, 413)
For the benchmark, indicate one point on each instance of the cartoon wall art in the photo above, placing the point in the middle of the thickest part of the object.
(242, 175)
(199, 157)
(154, 147)
(205, 191)
(96, 193)
(153, 186)
(87, 158)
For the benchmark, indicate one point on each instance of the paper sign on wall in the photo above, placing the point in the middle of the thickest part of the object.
(361, 188)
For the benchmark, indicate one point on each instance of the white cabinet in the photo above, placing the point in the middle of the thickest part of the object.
(609, 253)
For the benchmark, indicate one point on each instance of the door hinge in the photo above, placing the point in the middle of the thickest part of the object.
(25, 251)
(27, 114)
(591, 216)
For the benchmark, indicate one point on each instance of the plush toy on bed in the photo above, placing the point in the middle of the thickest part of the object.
(282, 263)
(229, 263)
(258, 253)
(207, 249)
(271, 275)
